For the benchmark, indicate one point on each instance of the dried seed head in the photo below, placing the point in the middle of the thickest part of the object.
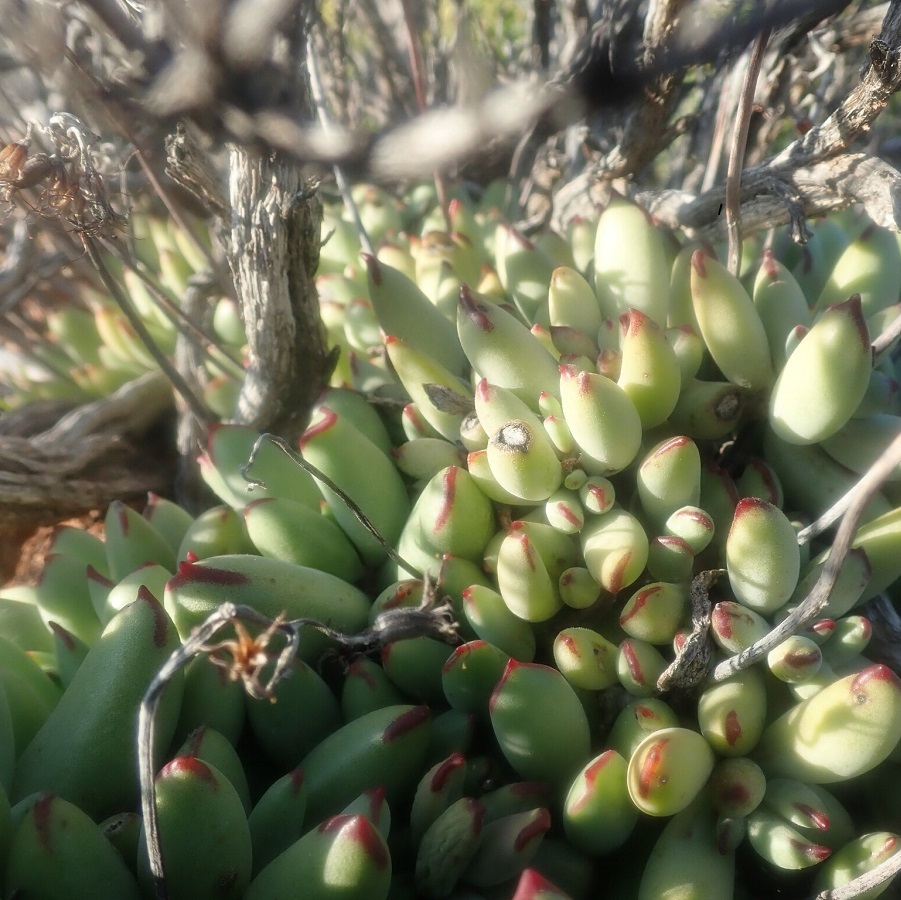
(12, 158)
(33, 171)
(245, 657)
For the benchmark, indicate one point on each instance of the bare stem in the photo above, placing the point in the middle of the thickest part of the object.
(887, 869)
(319, 101)
(346, 499)
(193, 402)
(171, 206)
(197, 642)
(819, 594)
(718, 139)
(884, 341)
(737, 152)
(219, 356)
(432, 618)
(417, 69)
(146, 733)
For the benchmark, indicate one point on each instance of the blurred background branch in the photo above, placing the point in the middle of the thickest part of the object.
(203, 111)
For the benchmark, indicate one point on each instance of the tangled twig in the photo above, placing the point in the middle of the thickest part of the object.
(245, 657)
(72, 190)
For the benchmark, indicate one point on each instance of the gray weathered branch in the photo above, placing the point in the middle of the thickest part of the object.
(815, 174)
(645, 132)
(273, 253)
(86, 459)
(768, 200)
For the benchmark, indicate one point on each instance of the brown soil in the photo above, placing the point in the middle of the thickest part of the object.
(22, 556)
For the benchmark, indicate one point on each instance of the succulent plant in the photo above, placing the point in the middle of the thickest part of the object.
(524, 536)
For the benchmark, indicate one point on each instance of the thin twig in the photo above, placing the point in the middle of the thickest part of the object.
(417, 69)
(146, 738)
(817, 165)
(857, 887)
(828, 518)
(126, 29)
(171, 206)
(321, 104)
(725, 108)
(178, 383)
(887, 338)
(29, 342)
(346, 499)
(197, 642)
(249, 657)
(212, 349)
(737, 151)
(431, 618)
(819, 594)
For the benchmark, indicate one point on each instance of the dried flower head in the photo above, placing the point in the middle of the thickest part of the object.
(245, 656)
(70, 188)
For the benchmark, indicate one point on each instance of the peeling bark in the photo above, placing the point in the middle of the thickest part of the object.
(273, 252)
